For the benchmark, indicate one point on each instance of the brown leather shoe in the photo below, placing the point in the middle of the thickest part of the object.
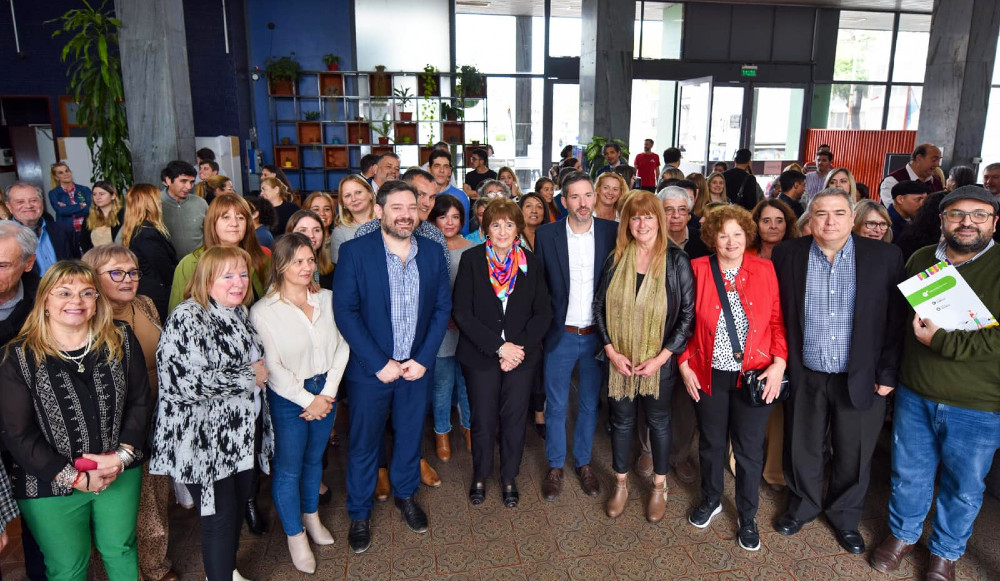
(382, 487)
(644, 465)
(685, 472)
(552, 485)
(443, 444)
(467, 434)
(428, 476)
(616, 504)
(657, 506)
(940, 569)
(588, 480)
(887, 556)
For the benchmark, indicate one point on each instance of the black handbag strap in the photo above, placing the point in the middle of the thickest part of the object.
(727, 312)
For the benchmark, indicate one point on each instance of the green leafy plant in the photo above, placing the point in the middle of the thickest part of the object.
(95, 81)
(594, 153)
(331, 59)
(455, 111)
(311, 115)
(471, 84)
(404, 96)
(285, 68)
(383, 127)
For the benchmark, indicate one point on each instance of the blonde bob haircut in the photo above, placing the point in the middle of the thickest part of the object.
(142, 204)
(343, 214)
(210, 266)
(36, 333)
(641, 203)
(717, 218)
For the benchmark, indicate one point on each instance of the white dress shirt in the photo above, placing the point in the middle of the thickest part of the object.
(296, 348)
(885, 190)
(579, 308)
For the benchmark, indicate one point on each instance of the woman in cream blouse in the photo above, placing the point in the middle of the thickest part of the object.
(305, 357)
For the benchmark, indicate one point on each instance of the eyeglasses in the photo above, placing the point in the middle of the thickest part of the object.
(87, 295)
(871, 225)
(977, 216)
(678, 211)
(119, 275)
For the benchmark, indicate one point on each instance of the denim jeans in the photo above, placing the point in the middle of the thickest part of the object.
(571, 350)
(449, 386)
(962, 441)
(298, 457)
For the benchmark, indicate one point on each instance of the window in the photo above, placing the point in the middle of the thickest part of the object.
(565, 28)
(658, 28)
(912, 39)
(904, 107)
(379, 44)
(864, 42)
(856, 106)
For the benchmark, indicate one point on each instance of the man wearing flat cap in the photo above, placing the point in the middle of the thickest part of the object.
(907, 197)
(947, 412)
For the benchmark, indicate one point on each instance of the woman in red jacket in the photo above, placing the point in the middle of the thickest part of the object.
(711, 369)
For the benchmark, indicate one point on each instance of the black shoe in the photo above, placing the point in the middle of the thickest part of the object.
(477, 493)
(748, 536)
(703, 514)
(254, 520)
(510, 495)
(324, 499)
(788, 526)
(359, 536)
(415, 517)
(851, 541)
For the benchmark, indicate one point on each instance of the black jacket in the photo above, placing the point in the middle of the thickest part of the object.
(11, 326)
(480, 317)
(86, 243)
(680, 303)
(157, 262)
(695, 247)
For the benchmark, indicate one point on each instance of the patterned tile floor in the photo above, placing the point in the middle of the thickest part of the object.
(570, 538)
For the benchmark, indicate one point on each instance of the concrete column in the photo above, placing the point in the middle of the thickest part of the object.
(608, 28)
(957, 82)
(157, 84)
(522, 87)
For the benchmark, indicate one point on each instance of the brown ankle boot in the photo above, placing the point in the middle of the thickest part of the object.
(616, 503)
(443, 443)
(657, 506)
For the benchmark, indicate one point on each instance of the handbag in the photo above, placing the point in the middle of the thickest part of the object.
(753, 385)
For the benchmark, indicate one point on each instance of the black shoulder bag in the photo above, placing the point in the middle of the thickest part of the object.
(753, 385)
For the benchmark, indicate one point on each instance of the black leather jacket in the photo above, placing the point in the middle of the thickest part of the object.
(680, 302)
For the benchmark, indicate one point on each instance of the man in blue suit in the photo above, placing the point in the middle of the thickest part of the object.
(393, 311)
(572, 252)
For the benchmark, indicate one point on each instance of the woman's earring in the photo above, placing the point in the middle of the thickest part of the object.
(46, 312)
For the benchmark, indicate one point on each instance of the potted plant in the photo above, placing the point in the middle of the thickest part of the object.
(312, 115)
(331, 61)
(594, 153)
(430, 82)
(471, 84)
(286, 140)
(381, 82)
(282, 73)
(382, 128)
(404, 97)
(452, 112)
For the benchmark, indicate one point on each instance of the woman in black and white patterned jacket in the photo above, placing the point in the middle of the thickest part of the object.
(208, 361)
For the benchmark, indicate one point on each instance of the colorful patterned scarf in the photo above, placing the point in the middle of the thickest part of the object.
(503, 275)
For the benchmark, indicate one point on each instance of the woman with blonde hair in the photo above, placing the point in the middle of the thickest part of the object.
(70, 201)
(356, 208)
(842, 178)
(308, 223)
(105, 217)
(609, 187)
(275, 191)
(75, 412)
(716, 192)
(509, 179)
(213, 186)
(701, 193)
(325, 206)
(144, 233)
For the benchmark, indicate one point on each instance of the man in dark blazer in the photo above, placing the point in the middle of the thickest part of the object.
(572, 252)
(844, 321)
(56, 241)
(393, 312)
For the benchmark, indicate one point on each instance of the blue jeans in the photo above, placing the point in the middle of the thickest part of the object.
(572, 350)
(449, 385)
(925, 435)
(298, 457)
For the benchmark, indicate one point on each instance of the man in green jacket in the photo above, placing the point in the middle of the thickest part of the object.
(947, 399)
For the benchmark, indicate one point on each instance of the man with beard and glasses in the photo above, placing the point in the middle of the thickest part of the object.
(947, 412)
(393, 310)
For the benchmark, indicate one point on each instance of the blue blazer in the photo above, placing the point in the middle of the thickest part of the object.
(361, 304)
(552, 248)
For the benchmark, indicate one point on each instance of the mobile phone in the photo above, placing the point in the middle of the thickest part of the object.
(84, 464)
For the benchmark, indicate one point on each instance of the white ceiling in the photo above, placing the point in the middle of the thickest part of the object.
(572, 7)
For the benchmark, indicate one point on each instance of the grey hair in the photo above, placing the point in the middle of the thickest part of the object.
(992, 167)
(38, 190)
(481, 190)
(827, 192)
(675, 193)
(25, 238)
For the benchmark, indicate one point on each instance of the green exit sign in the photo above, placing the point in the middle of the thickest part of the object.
(749, 71)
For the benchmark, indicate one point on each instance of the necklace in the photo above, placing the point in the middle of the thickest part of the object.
(78, 359)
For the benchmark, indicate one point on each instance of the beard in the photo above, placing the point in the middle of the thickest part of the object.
(400, 228)
(972, 246)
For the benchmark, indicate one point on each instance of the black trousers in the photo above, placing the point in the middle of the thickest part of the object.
(723, 416)
(823, 400)
(622, 413)
(498, 399)
(538, 390)
(34, 562)
(220, 532)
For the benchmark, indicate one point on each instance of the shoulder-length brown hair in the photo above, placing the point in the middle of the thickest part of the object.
(641, 203)
(715, 219)
(96, 218)
(307, 205)
(210, 266)
(324, 264)
(791, 228)
(142, 204)
(36, 333)
(219, 206)
(285, 247)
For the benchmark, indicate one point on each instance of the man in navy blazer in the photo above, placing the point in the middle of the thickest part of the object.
(56, 241)
(572, 252)
(390, 306)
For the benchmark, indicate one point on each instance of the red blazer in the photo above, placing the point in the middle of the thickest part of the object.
(758, 288)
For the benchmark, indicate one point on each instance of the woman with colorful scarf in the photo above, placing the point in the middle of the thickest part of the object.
(502, 310)
(644, 310)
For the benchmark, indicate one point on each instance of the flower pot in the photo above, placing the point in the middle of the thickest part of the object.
(451, 117)
(383, 141)
(333, 67)
(281, 86)
(285, 140)
(405, 116)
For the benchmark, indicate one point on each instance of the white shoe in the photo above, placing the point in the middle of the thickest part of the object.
(302, 555)
(184, 497)
(238, 577)
(317, 532)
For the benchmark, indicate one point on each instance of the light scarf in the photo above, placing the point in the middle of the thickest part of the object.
(636, 322)
(503, 274)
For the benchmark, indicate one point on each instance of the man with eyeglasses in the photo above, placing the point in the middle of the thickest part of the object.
(947, 411)
(907, 197)
(56, 241)
(440, 167)
(479, 162)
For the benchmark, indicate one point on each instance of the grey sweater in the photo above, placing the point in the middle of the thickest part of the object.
(185, 221)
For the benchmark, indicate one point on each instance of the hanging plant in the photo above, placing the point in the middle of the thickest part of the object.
(95, 82)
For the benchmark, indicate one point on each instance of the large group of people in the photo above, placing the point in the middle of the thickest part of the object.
(188, 341)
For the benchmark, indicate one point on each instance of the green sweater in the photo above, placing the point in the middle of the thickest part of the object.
(960, 368)
(185, 270)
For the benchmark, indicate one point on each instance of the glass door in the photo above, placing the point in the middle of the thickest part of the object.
(694, 123)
